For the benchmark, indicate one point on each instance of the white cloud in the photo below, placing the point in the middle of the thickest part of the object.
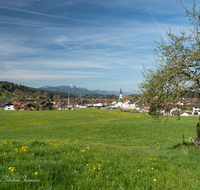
(31, 74)
(59, 45)
(18, 3)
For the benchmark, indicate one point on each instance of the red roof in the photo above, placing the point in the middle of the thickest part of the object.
(16, 103)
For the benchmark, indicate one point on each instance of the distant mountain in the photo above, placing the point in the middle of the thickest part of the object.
(79, 90)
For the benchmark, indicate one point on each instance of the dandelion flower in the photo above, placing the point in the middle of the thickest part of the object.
(152, 168)
(138, 170)
(154, 179)
(75, 171)
(35, 173)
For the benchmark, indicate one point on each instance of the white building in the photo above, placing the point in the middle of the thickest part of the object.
(120, 95)
(196, 111)
(97, 104)
(8, 106)
(82, 106)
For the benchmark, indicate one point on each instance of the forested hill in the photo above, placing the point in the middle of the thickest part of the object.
(10, 90)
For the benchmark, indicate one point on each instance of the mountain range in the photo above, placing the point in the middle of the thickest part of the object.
(79, 90)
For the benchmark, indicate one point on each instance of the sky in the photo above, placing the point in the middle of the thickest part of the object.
(96, 44)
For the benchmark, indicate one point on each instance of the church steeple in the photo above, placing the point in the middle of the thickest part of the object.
(120, 95)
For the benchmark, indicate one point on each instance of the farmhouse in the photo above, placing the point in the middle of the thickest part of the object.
(8, 106)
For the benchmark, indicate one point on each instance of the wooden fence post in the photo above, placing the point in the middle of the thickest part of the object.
(183, 139)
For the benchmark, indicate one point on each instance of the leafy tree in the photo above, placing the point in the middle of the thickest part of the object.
(177, 68)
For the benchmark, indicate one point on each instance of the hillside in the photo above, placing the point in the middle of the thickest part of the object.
(9, 90)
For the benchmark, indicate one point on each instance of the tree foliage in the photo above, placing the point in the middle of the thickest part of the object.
(177, 66)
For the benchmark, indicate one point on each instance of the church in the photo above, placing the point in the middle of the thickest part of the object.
(120, 95)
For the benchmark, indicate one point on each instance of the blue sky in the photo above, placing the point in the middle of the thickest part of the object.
(96, 44)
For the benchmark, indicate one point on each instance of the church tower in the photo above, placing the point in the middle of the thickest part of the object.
(120, 95)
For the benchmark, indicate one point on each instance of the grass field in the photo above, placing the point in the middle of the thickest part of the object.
(96, 149)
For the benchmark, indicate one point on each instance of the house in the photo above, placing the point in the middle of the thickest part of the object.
(174, 109)
(29, 107)
(2, 104)
(184, 114)
(146, 109)
(125, 104)
(196, 110)
(82, 106)
(17, 105)
(90, 103)
(47, 106)
(134, 104)
(97, 104)
(8, 106)
(117, 104)
(73, 104)
(189, 101)
(62, 106)
(70, 108)
(181, 113)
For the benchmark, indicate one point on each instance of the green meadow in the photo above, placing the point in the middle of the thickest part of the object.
(96, 149)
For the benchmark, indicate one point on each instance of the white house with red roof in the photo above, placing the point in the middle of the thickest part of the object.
(82, 106)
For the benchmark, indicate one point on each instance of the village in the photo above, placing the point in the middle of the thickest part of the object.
(185, 107)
